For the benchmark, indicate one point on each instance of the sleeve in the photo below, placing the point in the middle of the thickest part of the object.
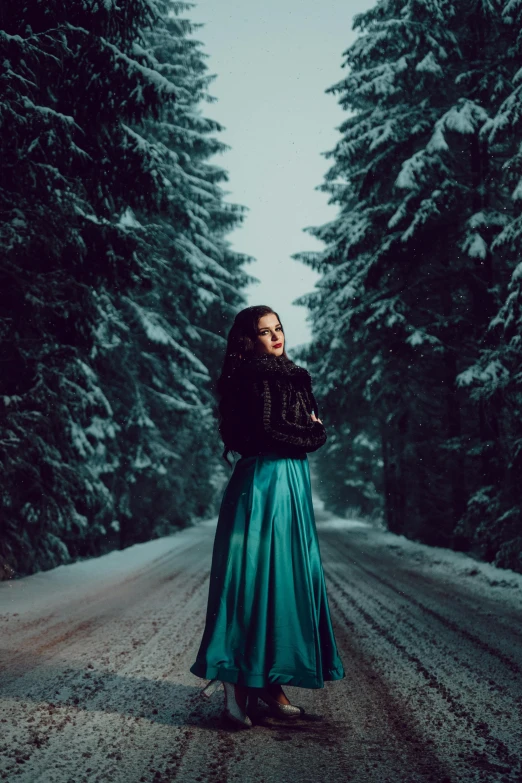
(315, 406)
(278, 429)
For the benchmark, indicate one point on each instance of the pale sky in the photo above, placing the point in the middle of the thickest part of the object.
(273, 62)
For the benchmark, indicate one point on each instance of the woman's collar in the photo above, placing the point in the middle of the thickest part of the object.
(269, 364)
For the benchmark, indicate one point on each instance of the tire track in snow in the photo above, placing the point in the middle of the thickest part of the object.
(116, 701)
(59, 733)
(490, 752)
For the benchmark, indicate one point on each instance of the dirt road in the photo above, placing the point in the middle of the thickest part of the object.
(95, 684)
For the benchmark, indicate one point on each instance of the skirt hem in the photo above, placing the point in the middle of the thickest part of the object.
(261, 680)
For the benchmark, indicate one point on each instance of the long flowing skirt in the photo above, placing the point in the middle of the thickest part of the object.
(268, 619)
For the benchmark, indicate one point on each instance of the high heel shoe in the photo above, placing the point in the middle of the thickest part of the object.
(278, 709)
(232, 709)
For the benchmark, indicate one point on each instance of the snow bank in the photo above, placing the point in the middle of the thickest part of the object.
(444, 563)
(46, 590)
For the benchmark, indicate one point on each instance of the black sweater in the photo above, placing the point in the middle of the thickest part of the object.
(268, 407)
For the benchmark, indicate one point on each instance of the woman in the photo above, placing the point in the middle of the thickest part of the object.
(268, 620)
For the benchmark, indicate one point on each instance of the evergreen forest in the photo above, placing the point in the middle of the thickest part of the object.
(419, 299)
(118, 284)
(117, 281)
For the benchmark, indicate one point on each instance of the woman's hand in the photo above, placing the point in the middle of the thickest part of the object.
(314, 418)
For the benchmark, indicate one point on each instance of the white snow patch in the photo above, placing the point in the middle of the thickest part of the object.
(475, 246)
(418, 337)
(517, 273)
(444, 564)
(47, 590)
(429, 65)
(128, 219)
(494, 373)
(465, 118)
(438, 141)
(517, 193)
(447, 561)
(336, 523)
(477, 220)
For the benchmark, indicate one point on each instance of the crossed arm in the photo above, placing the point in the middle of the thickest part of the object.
(277, 426)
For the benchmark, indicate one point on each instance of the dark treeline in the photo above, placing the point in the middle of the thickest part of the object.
(117, 284)
(418, 307)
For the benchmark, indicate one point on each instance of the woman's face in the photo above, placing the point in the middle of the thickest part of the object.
(270, 337)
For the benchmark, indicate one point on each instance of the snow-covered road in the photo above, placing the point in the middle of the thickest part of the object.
(95, 684)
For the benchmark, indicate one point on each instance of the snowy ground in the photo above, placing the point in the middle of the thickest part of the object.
(94, 679)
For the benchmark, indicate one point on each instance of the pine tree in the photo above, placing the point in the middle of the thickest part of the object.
(494, 514)
(113, 240)
(410, 278)
(193, 273)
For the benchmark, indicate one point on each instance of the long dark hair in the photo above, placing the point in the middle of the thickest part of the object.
(241, 344)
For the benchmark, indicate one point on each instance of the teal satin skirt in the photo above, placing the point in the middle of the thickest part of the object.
(268, 619)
